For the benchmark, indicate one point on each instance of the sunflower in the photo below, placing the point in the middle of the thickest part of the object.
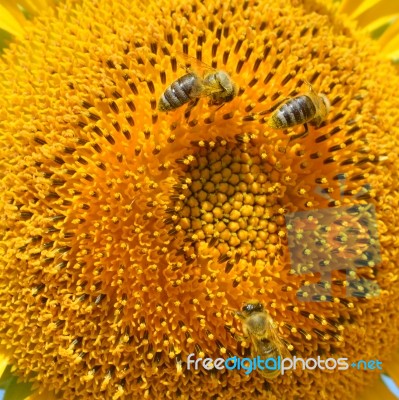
(129, 237)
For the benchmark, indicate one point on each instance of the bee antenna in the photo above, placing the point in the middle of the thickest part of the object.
(309, 85)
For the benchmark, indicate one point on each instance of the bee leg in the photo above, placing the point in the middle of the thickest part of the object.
(220, 107)
(190, 106)
(297, 136)
(300, 135)
(239, 338)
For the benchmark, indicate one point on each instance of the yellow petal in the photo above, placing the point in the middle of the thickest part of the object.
(12, 18)
(382, 22)
(378, 391)
(390, 41)
(357, 7)
(3, 365)
(390, 35)
(392, 55)
(10, 22)
(384, 8)
(33, 7)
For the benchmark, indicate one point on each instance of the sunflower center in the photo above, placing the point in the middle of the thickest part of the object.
(230, 199)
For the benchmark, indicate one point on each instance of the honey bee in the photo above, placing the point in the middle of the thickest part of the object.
(310, 107)
(207, 82)
(259, 326)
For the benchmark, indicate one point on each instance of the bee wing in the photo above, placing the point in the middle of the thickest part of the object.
(205, 90)
(274, 337)
(192, 64)
(258, 347)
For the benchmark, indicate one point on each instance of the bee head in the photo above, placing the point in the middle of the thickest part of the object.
(229, 88)
(325, 102)
(252, 306)
(323, 107)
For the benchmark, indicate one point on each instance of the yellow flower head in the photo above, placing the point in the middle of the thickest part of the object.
(129, 236)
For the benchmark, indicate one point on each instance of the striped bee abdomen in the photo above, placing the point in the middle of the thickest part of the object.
(296, 111)
(178, 93)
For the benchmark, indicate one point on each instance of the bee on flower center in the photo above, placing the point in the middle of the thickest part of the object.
(310, 107)
(217, 85)
(259, 327)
